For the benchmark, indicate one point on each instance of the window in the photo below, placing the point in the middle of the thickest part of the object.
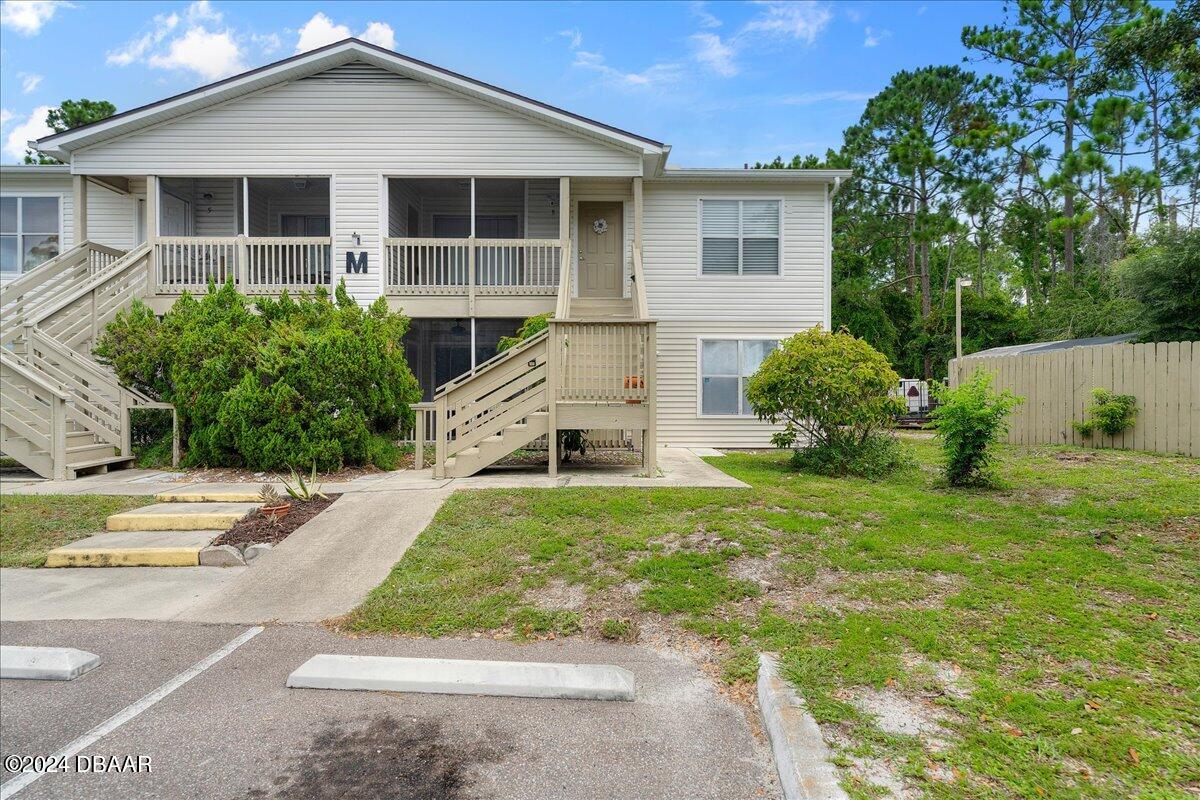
(740, 237)
(725, 366)
(29, 233)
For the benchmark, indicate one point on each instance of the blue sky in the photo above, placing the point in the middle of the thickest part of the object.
(724, 83)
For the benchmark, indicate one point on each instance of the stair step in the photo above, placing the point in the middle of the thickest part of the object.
(180, 517)
(89, 452)
(100, 465)
(134, 549)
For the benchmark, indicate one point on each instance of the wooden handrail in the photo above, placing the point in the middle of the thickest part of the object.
(125, 262)
(47, 269)
(30, 373)
(563, 307)
(511, 352)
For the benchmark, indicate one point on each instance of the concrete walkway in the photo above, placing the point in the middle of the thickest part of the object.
(324, 569)
(678, 466)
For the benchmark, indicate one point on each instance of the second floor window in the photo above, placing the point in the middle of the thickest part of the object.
(739, 237)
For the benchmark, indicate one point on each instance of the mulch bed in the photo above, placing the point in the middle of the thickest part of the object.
(255, 528)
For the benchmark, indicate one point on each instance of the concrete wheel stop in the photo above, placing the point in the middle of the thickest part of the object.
(45, 663)
(461, 676)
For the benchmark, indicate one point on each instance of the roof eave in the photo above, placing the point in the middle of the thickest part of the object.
(754, 175)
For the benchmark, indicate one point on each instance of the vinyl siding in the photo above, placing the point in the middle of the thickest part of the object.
(689, 306)
(357, 211)
(110, 214)
(396, 126)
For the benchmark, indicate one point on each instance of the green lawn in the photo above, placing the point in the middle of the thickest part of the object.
(1043, 637)
(33, 525)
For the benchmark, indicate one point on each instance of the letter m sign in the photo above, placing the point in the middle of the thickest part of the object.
(356, 263)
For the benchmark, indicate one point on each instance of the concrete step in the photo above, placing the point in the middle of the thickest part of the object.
(203, 496)
(180, 517)
(100, 465)
(151, 548)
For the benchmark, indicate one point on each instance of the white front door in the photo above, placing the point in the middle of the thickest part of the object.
(176, 216)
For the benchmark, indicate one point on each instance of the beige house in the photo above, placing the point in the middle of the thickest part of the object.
(467, 206)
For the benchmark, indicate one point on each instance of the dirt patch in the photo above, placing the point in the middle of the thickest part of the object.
(255, 528)
(389, 757)
(897, 714)
(1072, 457)
(557, 594)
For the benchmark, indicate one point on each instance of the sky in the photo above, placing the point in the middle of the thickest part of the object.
(723, 83)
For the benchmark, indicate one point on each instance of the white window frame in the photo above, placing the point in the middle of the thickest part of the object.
(700, 340)
(62, 234)
(700, 237)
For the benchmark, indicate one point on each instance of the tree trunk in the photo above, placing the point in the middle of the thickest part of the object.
(912, 245)
(1069, 190)
(926, 293)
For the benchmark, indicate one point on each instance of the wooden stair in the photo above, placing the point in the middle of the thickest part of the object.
(63, 413)
(492, 448)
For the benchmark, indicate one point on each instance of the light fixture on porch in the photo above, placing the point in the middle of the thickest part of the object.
(300, 184)
(552, 202)
(208, 198)
(357, 239)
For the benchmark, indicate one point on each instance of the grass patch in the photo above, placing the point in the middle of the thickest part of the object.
(33, 525)
(1048, 628)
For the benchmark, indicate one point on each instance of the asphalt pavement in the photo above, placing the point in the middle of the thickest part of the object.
(235, 731)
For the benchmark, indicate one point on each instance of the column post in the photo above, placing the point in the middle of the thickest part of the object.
(79, 184)
(650, 437)
(553, 345)
(471, 264)
(152, 231)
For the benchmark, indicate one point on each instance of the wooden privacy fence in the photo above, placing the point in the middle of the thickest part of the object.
(1057, 386)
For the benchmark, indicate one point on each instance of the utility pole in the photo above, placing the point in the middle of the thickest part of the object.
(959, 283)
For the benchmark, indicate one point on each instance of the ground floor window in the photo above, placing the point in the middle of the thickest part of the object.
(30, 233)
(439, 350)
(725, 366)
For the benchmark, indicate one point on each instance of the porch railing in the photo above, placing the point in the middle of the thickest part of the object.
(604, 362)
(474, 266)
(257, 264)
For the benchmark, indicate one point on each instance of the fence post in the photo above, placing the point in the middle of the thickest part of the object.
(650, 437)
(174, 437)
(126, 425)
(58, 438)
(241, 264)
(471, 278)
(419, 445)
(439, 441)
(553, 348)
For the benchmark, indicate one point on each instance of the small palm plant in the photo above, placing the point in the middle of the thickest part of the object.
(299, 490)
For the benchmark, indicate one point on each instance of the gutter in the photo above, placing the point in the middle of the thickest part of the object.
(837, 186)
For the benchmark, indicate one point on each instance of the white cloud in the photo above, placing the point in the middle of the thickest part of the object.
(379, 33)
(202, 11)
(874, 37)
(812, 98)
(853, 14)
(573, 36)
(5, 116)
(136, 48)
(715, 54)
(34, 127)
(321, 30)
(210, 54)
(705, 17)
(29, 82)
(654, 75)
(27, 17)
(803, 20)
(268, 42)
(922, 9)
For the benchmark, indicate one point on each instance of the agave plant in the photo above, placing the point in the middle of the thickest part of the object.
(299, 490)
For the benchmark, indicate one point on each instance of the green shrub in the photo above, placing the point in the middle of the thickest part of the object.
(831, 391)
(1110, 413)
(1164, 277)
(301, 381)
(877, 455)
(971, 418)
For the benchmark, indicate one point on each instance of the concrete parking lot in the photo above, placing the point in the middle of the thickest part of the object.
(235, 731)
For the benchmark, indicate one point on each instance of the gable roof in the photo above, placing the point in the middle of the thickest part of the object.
(60, 145)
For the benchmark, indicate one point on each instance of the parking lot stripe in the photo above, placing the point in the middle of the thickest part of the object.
(14, 785)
